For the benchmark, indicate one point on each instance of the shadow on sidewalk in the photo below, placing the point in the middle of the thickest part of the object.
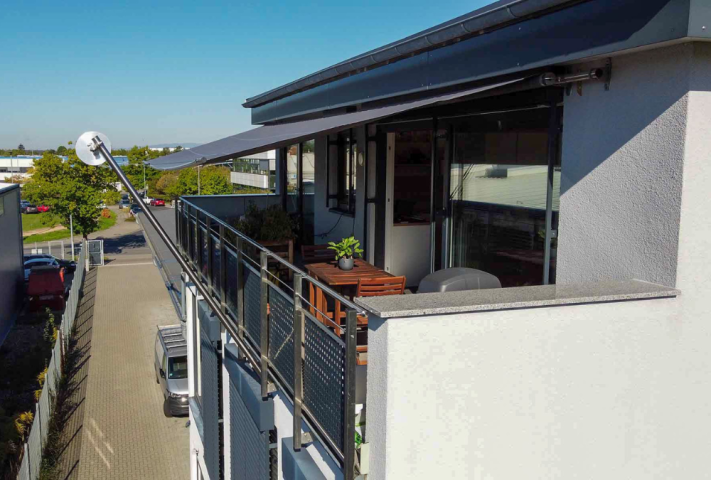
(80, 348)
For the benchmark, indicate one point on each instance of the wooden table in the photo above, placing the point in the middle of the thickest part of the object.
(331, 275)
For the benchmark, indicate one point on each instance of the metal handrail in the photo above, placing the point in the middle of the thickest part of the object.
(194, 222)
(292, 267)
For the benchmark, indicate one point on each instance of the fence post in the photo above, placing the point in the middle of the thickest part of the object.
(349, 398)
(298, 359)
(240, 287)
(264, 333)
(210, 248)
(223, 270)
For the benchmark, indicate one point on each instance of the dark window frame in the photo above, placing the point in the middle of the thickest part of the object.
(344, 195)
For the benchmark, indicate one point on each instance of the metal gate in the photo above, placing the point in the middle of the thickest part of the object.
(96, 252)
(58, 250)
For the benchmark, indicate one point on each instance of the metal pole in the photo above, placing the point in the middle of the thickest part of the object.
(71, 234)
(298, 360)
(264, 331)
(227, 322)
(349, 400)
(553, 129)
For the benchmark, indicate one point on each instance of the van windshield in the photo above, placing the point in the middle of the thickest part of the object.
(178, 367)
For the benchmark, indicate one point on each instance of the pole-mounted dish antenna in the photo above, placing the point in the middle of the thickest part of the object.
(87, 151)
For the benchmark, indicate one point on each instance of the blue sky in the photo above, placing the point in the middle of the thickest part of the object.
(162, 72)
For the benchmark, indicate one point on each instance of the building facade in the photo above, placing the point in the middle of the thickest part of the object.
(11, 270)
(559, 146)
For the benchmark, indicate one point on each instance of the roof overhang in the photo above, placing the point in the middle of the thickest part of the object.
(572, 33)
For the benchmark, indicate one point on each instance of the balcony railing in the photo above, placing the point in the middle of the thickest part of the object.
(288, 345)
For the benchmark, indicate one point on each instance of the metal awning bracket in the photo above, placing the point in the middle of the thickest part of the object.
(608, 74)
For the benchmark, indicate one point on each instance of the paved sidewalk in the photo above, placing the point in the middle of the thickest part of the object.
(120, 428)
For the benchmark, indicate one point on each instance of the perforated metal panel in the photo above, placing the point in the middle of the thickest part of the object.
(249, 456)
(210, 403)
(231, 287)
(252, 299)
(281, 334)
(324, 377)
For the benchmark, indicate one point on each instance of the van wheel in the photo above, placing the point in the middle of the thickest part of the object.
(166, 409)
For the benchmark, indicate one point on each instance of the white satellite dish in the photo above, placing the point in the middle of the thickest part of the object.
(85, 148)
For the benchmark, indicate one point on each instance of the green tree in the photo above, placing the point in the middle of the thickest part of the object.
(21, 147)
(213, 181)
(61, 150)
(137, 156)
(166, 185)
(70, 187)
(178, 149)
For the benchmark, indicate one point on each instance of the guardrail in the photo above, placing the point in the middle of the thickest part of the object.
(32, 449)
(290, 345)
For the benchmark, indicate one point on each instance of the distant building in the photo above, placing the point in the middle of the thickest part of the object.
(11, 272)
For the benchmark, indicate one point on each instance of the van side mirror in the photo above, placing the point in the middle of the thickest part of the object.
(162, 373)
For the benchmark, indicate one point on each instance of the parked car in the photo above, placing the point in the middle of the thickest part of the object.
(124, 204)
(29, 208)
(43, 208)
(69, 266)
(135, 209)
(38, 262)
(45, 288)
(157, 202)
(147, 200)
(171, 369)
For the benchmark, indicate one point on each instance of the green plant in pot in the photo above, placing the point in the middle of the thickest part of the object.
(346, 250)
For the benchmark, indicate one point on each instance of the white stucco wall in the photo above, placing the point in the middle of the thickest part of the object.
(622, 164)
(616, 390)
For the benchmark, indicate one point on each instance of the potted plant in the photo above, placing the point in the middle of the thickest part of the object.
(272, 227)
(345, 250)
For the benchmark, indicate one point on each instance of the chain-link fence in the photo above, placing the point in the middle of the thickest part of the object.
(32, 458)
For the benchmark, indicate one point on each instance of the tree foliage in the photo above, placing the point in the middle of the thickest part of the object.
(213, 181)
(70, 187)
(137, 156)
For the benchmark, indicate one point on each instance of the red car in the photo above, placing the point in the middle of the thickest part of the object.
(157, 202)
(42, 208)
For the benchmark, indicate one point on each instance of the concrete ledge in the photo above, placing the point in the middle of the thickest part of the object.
(513, 298)
(262, 412)
(209, 321)
(297, 465)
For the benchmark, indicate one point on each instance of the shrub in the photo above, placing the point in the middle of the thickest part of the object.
(23, 422)
(106, 213)
(271, 224)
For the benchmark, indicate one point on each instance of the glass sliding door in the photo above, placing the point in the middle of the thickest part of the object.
(498, 196)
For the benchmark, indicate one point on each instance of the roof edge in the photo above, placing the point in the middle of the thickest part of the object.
(478, 22)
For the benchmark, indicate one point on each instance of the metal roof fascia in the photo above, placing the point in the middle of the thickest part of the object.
(476, 22)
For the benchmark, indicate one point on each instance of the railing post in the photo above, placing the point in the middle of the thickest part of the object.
(298, 360)
(223, 270)
(349, 399)
(264, 333)
(240, 288)
(197, 259)
(178, 222)
(210, 248)
(191, 233)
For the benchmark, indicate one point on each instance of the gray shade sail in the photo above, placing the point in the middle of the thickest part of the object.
(276, 136)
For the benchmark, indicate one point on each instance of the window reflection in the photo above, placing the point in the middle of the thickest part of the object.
(498, 195)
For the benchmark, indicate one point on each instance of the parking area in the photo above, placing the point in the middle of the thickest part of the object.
(123, 432)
